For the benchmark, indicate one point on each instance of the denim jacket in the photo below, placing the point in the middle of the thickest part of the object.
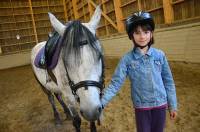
(151, 79)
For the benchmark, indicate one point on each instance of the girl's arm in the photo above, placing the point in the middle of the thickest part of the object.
(169, 85)
(116, 82)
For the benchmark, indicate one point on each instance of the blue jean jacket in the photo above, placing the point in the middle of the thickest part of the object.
(151, 79)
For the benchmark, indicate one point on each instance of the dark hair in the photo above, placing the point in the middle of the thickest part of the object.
(139, 18)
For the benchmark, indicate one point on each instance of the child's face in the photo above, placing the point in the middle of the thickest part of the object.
(142, 37)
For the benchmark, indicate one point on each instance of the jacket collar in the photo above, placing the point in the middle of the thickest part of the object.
(137, 53)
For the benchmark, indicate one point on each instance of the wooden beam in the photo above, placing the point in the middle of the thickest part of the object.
(105, 16)
(177, 2)
(119, 15)
(65, 10)
(128, 3)
(168, 11)
(75, 9)
(33, 21)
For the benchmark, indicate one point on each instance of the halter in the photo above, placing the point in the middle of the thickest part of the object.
(101, 84)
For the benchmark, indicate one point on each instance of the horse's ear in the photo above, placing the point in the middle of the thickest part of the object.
(57, 25)
(94, 21)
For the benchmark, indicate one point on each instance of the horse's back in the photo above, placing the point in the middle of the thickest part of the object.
(35, 50)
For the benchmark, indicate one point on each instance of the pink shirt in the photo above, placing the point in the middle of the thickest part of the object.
(150, 108)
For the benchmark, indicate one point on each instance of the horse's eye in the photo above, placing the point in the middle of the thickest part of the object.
(82, 43)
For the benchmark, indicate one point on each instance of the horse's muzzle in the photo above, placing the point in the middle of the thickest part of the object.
(91, 115)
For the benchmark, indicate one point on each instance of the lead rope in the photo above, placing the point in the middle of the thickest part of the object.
(102, 76)
(103, 83)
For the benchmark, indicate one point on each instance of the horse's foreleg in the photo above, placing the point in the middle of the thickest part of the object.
(56, 114)
(92, 126)
(66, 109)
(76, 119)
(52, 102)
(77, 123)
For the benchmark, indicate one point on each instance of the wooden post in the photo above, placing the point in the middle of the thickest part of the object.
(33, 21)
(139, 5)
(75, 9)
(65, 10)
(105, 21)
(84, 15)
(90, 8)
(119, 15)
(168, 11)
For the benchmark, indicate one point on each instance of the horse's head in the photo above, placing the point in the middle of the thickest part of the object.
(83, 61)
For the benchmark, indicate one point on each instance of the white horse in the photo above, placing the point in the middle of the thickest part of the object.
(78, 73)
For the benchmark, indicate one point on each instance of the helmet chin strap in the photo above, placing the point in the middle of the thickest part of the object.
(141, 47)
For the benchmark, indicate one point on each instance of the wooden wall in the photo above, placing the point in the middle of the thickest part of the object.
(180, 43)
(23, 23)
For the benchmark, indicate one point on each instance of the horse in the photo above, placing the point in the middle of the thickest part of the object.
(77, 79)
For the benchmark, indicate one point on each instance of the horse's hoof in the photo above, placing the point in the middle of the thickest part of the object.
(93, 130)
(58, 123)
(78, 130)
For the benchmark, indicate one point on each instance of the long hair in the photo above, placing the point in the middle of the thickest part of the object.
(75, 37)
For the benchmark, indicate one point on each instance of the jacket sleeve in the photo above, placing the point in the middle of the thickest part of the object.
(169, 84)
(117, 81)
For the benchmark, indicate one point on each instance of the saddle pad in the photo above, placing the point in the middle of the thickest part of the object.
(47, 57)
(40, 59)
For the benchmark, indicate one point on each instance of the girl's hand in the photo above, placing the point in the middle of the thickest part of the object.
(173, 115)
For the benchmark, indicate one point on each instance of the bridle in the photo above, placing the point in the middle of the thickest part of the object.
(101, 84)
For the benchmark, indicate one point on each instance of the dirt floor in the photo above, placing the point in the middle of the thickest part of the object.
(25, 108)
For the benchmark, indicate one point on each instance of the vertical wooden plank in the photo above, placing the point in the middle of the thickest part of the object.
(75, 9)
(65, 10)
(192, 7)
(139, 5)
(90, 8)
(168, 11)
(119, 15)
(14, 44)
(84, 15)
(105, 21)
(48, 5)
(33, 21)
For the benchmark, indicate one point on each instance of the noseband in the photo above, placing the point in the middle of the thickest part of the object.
(101, 84)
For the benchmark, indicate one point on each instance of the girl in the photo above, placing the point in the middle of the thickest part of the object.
(152, 84)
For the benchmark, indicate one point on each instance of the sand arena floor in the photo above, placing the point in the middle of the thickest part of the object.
(25, 108)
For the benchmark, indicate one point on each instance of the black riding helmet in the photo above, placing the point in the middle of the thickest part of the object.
(138, 18)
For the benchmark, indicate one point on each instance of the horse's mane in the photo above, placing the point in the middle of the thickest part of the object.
(77, 35)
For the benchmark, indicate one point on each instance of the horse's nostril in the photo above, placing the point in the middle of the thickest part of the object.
(81, 112)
